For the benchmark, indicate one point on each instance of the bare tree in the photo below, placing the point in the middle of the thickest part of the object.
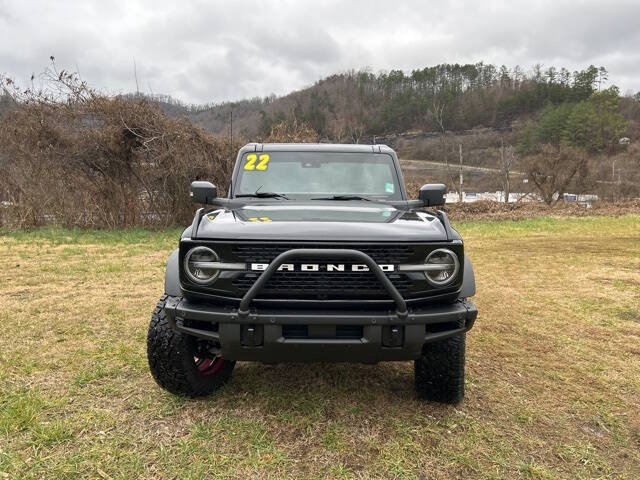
(507, 160)
(553, 169)
(357, 131)
(437, 113)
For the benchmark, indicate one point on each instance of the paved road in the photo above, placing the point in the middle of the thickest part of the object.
(409, 165)
(430, 165)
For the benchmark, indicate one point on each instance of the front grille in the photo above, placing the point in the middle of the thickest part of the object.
(267, 253)
(323, 285)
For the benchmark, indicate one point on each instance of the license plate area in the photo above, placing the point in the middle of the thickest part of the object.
(337, 332)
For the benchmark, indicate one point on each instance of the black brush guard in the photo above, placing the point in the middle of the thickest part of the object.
(246, 333)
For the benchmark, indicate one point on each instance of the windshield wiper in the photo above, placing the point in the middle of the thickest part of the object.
(262, 195)
(344, 197)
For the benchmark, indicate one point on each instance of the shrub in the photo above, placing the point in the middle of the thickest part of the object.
(74, 157)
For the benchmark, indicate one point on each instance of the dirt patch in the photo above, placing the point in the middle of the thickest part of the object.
(630, 315)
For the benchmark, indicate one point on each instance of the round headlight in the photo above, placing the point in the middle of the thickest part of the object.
(442, 266)
(198, 265)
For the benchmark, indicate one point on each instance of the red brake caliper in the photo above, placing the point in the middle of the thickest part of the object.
(209, 366)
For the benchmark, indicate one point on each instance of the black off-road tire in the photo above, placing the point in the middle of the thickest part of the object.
(171, 356)
(439, 372)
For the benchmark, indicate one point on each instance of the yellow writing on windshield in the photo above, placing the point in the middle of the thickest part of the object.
(263, 163)
(253, 163)
(250, 164)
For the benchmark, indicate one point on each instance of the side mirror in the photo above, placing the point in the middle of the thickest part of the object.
(203, 192)
(432, 194)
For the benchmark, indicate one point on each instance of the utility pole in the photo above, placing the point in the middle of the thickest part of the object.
(505, 165)
(461, 179)
(231, 129)
(613, 173)
(613, 179)
(135, 74)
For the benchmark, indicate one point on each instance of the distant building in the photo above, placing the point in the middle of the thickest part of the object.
(586, 200)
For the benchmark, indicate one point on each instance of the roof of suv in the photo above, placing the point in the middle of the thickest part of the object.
(316, 147)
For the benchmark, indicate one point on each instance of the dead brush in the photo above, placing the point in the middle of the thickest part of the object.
(74, 157)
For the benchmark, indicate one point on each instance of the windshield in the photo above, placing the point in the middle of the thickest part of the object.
(318, 174)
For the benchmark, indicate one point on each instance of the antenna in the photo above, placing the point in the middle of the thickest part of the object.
(135, 74)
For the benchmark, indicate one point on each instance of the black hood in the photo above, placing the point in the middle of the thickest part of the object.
(321, 221)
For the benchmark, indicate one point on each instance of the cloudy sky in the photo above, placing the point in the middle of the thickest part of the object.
(211, 51)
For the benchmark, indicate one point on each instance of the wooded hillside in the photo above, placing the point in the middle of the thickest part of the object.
(560, 129)
(453, 97)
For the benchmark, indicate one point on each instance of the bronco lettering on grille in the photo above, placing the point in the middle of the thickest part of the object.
(316, 267)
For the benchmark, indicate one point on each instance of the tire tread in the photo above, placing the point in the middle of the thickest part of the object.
(439, 372)
(170, 356)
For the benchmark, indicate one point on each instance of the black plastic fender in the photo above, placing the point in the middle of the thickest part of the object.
(172, 275)
(468, 280)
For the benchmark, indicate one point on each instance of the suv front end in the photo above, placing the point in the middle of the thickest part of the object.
(304, 278)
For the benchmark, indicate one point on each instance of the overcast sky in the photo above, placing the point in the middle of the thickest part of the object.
(211, 51)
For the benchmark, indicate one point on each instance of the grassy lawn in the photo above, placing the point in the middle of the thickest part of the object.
(553, 385)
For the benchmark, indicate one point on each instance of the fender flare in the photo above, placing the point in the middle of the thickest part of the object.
(468, 280)
(172, 275)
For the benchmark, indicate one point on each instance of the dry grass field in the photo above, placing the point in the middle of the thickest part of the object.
(553, 385)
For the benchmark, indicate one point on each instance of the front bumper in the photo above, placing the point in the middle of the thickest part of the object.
(262, 335)
(283, 335)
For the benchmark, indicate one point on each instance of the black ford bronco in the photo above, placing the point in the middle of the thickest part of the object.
(316, 255)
